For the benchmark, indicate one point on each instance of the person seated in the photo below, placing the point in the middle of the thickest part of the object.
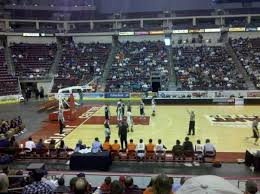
(4, 183)
(106, 186)
(52, 144)
(79, 146)
(61, 186)
(115, 146)
(140, 150)
(150, 149)
(199, 150)
(160, 150)
(131, 148)
(4, 127)
(30, 144)
(13, 143)
(251, 187)
(130, 187)
(4, 143)
(96, 146)
(187, 145)
(209, 149)
(40, 145)
(62, 148)
(177, 150)
(107, 145)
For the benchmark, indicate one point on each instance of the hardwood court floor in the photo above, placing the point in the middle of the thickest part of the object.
(171, 123)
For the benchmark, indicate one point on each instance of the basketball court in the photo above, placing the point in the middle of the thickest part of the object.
(226, 126)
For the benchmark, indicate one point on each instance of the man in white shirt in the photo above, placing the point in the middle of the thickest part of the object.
(209, 147)
(30, 144)
(130, 120)
(160, 150)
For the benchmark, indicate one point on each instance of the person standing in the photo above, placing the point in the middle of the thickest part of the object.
(142, 110)
(123, 108)
(119, 112)
(130, 120)
(61, 120)
(122, 133)
(255, 130)
(192, 123)
(107, 114)
(153, 106)
(107, 131)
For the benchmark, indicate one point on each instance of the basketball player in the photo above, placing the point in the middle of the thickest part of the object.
(142, 109)
(123, 108)
(192, 123)
(107, 114)
(255, 130)
(130, 120)
(153, 106)
(61, 120)
(119, 113)
(129, 106)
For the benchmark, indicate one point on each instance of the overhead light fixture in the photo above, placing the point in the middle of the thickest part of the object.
(75, 5)
(14, 4)
(35, 4)
(51, 5)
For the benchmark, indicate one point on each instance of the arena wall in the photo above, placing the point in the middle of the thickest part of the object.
(141, 38)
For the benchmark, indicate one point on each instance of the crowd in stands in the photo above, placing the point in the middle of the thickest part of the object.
(33, 60)
(9, 83)
(38, 182)
(206, 68)
(80, 61)
(8, 128)
(248, 53)
(134, 64)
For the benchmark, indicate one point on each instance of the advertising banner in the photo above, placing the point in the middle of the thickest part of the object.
(117, 95)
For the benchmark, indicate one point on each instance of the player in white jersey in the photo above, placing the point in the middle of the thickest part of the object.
(130, 121)
(153, 106)
(119, 113)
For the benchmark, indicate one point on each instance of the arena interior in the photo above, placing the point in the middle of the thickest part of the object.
(129, 97)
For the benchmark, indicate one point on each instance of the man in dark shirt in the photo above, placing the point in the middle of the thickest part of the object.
(187, 145)
(177, 150)
(130, 187)
(122, 133)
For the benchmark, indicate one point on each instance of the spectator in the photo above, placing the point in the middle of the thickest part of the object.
(187, 145)
(162, 185)
(52, 144)
(116, 187)
(130, 187)
(40, 145)
(149, 188)
(199, 150)
(62, 145)
(177, 150)
(37, 186)
(72, 183)
(61, 186)
(79, 146)
(96, 146)
(209, 148)
(122, 181)
(251, 187)
(81, 186)
(4, 143)
(13, 143)
(30, 144)
(140, 149)
(4, 183)
(106, 186)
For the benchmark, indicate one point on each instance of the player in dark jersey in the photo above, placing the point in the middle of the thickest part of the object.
(142, 110)
(107, 114)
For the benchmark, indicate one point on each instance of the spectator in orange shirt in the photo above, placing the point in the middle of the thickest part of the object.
(107, 145)
(131, 146)
(115, 146)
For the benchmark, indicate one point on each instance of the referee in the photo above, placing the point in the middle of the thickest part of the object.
(192, 123)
